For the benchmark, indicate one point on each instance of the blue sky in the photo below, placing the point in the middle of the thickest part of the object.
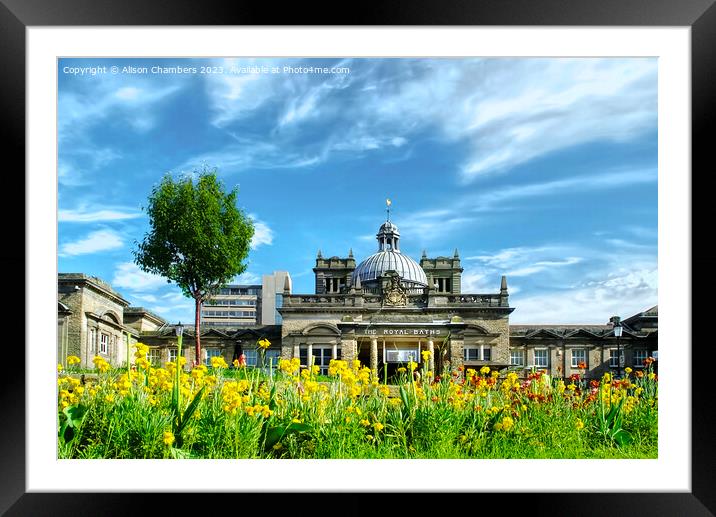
(544, 170)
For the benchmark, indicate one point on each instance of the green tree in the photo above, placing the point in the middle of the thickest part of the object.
(198, 239)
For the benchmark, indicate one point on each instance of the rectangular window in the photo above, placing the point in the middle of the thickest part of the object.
(154, 357)
(477, 353)
(103, 343)
(579, 356)
(471, 354)
(639, 358)
(444, 285)
(334, 285)
(211, 352)
(172, 354)
(614, 359)
(322, 357)
(541, 357)
(252, 356)
(517, 357)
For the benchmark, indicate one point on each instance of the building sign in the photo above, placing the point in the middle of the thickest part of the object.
(403, 332)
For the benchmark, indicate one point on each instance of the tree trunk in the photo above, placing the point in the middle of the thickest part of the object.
(197, 330)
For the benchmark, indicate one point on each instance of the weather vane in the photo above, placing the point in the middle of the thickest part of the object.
(387, 204)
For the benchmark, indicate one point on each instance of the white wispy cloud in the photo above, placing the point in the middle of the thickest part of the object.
(263, 235)
(608, 180)
(146, 297)
(93, 214)
(506, 111)
(251, 154)
(575, 284)
(248, 278)
(509, 257)
(623, 292)
(77, 163)
(555, 104)
(128, 275)
(233, 96)
(428, 226)
(543, 265)
(100, 240)
(111, 97)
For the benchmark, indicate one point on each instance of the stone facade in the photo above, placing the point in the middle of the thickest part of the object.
(95, 325)
(386, 323)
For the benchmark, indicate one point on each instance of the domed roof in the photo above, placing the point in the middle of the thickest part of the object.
(388, 227)
(389, 258)
(382, 261)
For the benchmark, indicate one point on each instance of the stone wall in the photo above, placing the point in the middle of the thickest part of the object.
(102, 309)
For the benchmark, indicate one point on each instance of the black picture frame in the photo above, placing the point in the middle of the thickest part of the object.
(699, 15)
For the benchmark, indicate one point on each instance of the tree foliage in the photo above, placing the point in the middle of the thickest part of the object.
(198, 238)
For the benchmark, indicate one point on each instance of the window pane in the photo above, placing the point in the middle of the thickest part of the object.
(251, 356)
(541, 358)
(579, 355)
(517, 358)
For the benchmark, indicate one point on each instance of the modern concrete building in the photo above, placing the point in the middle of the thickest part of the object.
(238, 306)
(232, 307)
(272, 289)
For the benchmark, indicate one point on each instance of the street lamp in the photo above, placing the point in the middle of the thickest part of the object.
(618, 333)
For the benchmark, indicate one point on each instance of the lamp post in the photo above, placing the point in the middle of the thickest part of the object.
(618, 333)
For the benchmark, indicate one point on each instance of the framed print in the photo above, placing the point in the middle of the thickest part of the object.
(160, 113)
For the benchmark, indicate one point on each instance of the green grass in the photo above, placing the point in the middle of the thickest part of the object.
(347, 416)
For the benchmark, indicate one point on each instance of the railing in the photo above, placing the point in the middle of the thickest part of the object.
(373, 297)
(482, 300)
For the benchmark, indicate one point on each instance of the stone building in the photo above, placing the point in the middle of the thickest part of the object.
(384, 311)
(389, 309)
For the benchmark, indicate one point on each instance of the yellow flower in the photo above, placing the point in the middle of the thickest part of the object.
(579, 425)
(507, 423)
(485, 370)
(426, 355)
(168, 438)
(627, 370)
(378, 426)
(218, 362)
(73, 359)
(412, 365)
(365, 422)
(100, 363)
(264, 343)
(59, 368)
(651, 376)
